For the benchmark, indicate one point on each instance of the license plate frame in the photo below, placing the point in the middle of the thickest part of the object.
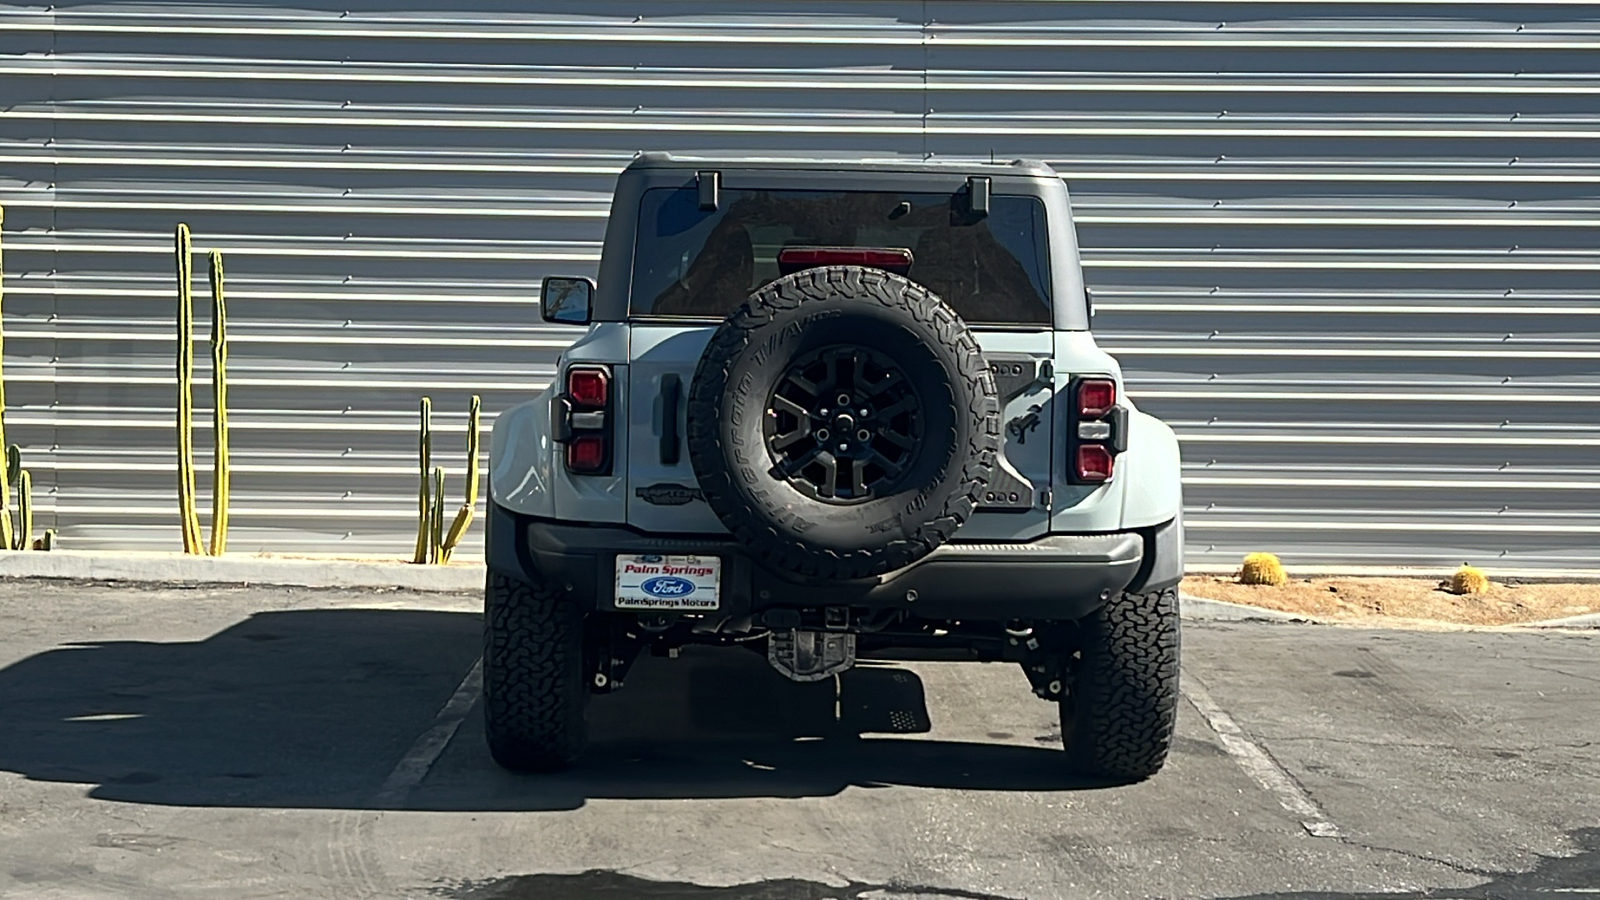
(678, 583)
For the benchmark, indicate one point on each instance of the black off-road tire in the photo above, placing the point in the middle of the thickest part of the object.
(1117, 721)
(533, 676)
(850, 306)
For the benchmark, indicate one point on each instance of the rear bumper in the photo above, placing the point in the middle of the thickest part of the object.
(1056, 577)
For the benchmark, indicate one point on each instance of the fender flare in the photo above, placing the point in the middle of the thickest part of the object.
(1152, 500)
(1152, 492)
(521, 460)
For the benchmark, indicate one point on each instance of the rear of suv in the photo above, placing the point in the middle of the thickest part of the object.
(828, 411)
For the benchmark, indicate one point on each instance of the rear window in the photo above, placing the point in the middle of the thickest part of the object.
(703, 263)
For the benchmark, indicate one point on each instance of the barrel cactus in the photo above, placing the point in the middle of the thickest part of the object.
(1262, 568)
(1468, 580)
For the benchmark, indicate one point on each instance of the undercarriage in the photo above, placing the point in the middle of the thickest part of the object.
(815, 643)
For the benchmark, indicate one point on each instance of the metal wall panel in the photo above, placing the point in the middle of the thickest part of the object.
(1347, 249)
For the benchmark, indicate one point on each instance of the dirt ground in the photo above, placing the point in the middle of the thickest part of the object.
(1353, 599)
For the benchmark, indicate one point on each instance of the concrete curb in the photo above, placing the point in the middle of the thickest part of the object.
(1200, 609)
(1589, 620)
(178, 568)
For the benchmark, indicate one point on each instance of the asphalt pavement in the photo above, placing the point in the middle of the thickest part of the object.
(280, 742)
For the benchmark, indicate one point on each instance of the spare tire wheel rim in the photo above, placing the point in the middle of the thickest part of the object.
(842, 424)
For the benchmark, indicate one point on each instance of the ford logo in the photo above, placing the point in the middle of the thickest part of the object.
(667, 586)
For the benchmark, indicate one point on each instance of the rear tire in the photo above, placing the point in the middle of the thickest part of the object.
(533, 688)
(1117, 721)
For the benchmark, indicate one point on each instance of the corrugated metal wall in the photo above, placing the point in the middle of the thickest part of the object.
(1347, 249)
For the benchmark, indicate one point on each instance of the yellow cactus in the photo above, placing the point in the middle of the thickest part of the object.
(1262, 568)
(436, 518)
(24, 534)
(189, 518)
(221, 473)
(1468, 580)
(458, 528)
(5, 467)
(424, 501)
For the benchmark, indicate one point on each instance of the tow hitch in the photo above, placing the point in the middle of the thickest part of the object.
(811, 655)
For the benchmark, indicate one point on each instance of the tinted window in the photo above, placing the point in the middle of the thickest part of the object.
(703, 263)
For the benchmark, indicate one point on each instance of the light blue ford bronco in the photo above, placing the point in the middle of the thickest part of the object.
(828, 411)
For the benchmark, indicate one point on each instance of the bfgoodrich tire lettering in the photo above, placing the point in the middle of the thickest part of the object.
(806, 312)
(1118, 720)
(533, 689)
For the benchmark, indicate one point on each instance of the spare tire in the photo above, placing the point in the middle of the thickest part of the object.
(842, 423)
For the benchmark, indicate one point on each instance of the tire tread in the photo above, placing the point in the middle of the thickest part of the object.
(1119, 719)
(533, 689)
(735, 337)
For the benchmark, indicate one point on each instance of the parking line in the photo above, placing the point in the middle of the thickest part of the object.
(414, 766)
(1257, 763)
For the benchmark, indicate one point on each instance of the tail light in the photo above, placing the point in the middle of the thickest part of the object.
(1100, 430)
(581, 419)
(893, 259)
(589, 387)
(1096, 397)
(586, 453)
(1093, 463)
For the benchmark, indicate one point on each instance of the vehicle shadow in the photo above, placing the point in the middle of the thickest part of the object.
(313, 709)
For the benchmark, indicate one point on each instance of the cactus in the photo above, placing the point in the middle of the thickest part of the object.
(463, 519)
(6, 476)
(24, 533)
(48, 542)
(434, 542)
(220, 473)
(190, 519)
(424, 502)
(17, 477)
(1468, 580)
(436, 518)
(1262, 568)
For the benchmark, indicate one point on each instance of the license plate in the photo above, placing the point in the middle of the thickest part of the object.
(668, 582)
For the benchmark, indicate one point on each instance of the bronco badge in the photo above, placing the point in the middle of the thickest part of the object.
(668, 494)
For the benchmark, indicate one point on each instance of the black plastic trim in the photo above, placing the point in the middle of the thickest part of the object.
(560, 419)
(1119, 430)
(1162, 566)
(978, 195)
(709, 185)
(671, 395)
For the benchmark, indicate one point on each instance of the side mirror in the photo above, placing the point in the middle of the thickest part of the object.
(566, 301)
